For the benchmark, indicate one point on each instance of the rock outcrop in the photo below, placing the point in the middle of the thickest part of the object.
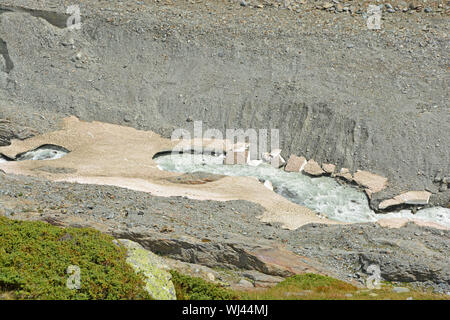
(9, 131)
(410, 253)
(410, 197)
(158, 281)
(259, 255)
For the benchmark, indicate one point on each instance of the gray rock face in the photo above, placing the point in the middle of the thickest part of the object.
(236, 76)
(162, 79)
(231, 254)
(9, 131)
(407, 254)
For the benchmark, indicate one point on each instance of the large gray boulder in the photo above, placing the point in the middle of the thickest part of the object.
(158, 281)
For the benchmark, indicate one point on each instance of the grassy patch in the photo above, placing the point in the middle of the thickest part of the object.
(190, 288)
(299, 287)
(305, 286)
(317, 287)
(34, 257)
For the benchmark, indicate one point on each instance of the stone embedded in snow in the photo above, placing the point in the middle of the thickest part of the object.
(328, 168)
(345, 174)
(295, 164)
(268, 185)
(410, 197)
(158, 281)
(373, 182)
(237, 157)
(313, 168)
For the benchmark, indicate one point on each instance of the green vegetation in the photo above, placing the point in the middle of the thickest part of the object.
(190, 288)
(299, 287)
(317, 287)
(34, 257)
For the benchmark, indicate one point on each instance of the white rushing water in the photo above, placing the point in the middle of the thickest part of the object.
(43, 153)
(323, 195)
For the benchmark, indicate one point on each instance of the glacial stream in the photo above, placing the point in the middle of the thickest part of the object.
(323, 194)
(45, 152)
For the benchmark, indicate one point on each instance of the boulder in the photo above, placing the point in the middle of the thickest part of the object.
(313, 168)
(262, 280)
(410, 197)
(295, 164)
(373, 182)
(328, 168)
(158, 281)
(245, 284)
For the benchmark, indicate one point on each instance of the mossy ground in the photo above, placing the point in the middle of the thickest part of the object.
(34, 257)
(190, 288)
(299, 287)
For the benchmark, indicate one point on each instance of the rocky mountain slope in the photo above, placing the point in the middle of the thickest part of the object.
(338, 92)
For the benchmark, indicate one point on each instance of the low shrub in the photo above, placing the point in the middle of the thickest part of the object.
(35, 256)
(190, 288)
